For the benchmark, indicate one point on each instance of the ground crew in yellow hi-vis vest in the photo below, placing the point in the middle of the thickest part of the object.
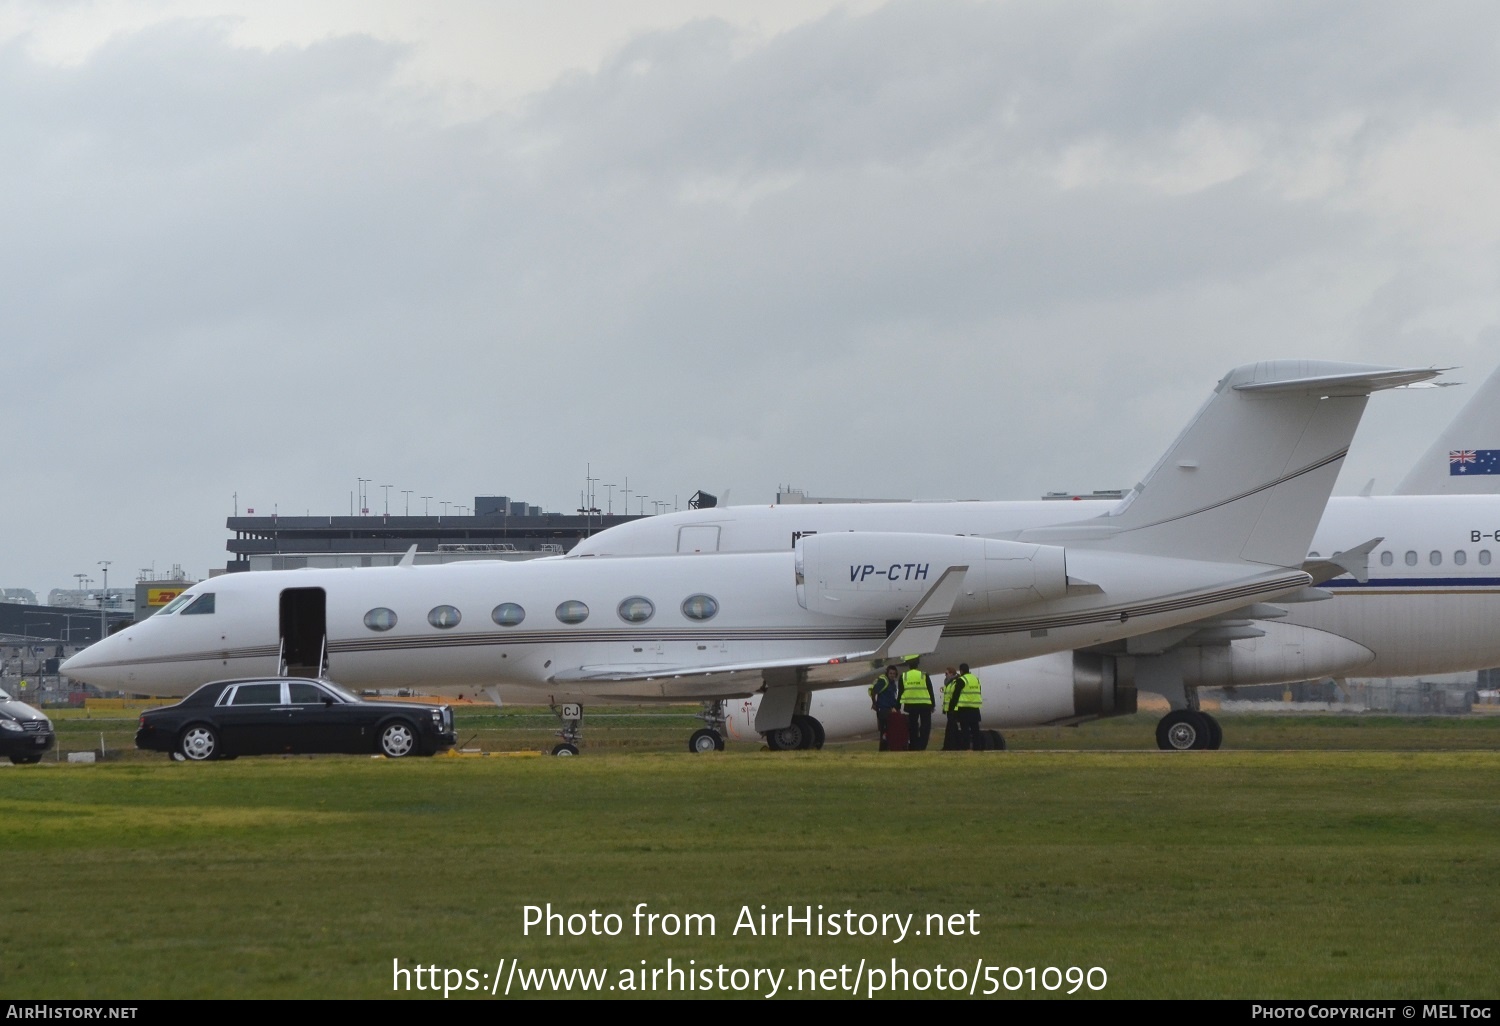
(916, 700)
(961, 702)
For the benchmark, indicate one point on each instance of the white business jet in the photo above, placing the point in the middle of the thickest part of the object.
(1423, 599)
(1222, 523)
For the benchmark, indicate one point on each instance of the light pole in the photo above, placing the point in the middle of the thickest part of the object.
(364, 509)
(424, 504)
(103, 601)
(407, 492)
(643, 499)
(611, 499)
(387, 498)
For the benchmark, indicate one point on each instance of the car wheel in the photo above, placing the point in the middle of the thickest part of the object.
(198, 743)
(397, 740)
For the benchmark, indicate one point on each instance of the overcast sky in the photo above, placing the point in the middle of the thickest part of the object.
(918, 248)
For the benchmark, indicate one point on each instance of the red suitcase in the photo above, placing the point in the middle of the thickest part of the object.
(896, 736)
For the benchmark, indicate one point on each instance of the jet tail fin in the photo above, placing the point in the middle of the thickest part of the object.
(1465, 459)
(1248, 478)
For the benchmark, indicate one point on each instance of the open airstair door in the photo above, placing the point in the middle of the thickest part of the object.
(304, 632)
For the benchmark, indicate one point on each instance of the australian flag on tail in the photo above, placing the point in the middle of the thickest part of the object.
(1473, 461)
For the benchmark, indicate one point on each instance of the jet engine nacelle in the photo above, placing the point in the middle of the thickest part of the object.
(1065, 687)
(880, 576)
(1286, 652)
(1061, 688)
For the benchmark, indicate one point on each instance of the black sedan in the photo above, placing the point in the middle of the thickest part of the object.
(264, 716)
(25, 733)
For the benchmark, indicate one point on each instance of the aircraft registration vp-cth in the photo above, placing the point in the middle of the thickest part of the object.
(1221, 523)
(1412, 580)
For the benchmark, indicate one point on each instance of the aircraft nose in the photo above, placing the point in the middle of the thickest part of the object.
(88, 666)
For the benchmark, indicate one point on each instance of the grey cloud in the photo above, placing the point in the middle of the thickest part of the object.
(841, 257)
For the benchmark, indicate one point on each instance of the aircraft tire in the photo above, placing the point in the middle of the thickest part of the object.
(705, 740)
(565, 749)
(1182, 730)
(789, 738)
(1215, 732)
(816, 734)
(25, 760)
(994, 741)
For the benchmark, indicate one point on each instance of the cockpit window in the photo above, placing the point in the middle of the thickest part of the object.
(176, 604)
(204, 604)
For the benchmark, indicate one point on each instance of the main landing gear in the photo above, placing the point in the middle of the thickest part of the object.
(1184, 730)
(802, 733)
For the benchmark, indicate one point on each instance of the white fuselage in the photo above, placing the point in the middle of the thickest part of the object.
(623, 629)
(1438, 613)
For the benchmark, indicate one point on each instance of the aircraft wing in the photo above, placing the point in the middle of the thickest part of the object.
(917, 634)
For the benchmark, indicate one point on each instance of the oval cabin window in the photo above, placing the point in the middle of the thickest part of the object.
(572, 611)
(380, 619)
(444, 617)
(636, 609)
(700, 607)
(507, 614)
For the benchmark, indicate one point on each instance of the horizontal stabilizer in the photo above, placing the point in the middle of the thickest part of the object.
(1350, 383)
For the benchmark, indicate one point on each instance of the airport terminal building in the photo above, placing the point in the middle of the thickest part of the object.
(499, 528)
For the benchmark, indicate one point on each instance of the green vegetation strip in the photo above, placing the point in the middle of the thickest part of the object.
(1229, 874)
(666, 730)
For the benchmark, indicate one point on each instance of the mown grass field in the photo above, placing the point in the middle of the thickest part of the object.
(1363, 865)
